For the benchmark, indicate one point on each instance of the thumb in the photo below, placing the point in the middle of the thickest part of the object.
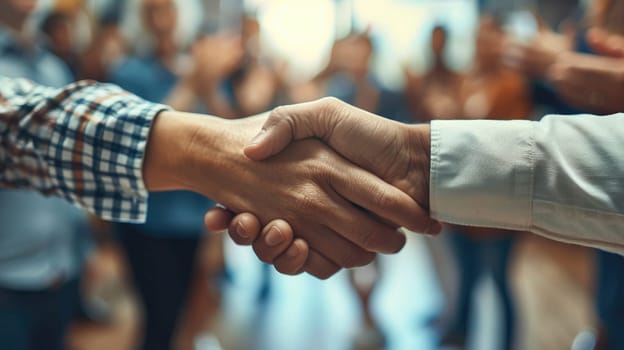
(285, 125)
(275, 135)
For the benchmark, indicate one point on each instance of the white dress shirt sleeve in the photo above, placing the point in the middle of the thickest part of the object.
(562, 177)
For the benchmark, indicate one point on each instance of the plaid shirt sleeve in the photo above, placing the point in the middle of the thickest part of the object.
(84, 143)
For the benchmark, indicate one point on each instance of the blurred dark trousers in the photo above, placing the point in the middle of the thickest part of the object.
(477, 257)
(610, 298)
(163, 269)
(39, 319)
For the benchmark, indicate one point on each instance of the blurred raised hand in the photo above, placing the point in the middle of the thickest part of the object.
(535, 57)
(593, 83)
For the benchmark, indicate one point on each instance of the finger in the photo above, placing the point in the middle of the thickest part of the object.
(583, 72)
(319, 266)
(604, 44)
(336, 248)
(217, 219)
(295, 122)
(244, 229)
(276, 133)
(368, 191)
(293, 260)
(275, 239)
(588, 69)
(364, 230)
(435, 228)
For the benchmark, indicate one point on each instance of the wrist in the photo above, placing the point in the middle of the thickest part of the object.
(158, 165)
(213, 162)
(419, 150)
(168, 155)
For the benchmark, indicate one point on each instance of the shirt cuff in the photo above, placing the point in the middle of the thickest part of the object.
(102, 169)
(482, 173)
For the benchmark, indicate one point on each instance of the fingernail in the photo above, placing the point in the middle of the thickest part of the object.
(240, 230)
(274, 236)
(258, 138)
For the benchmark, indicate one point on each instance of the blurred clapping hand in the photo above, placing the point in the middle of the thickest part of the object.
(214, 58)
(593, 82)
(536, 56)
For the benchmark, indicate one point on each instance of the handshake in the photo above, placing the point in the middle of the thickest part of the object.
(323, 186)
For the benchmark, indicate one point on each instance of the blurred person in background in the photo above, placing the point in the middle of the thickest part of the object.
(584, 82)
(435, 94)
(168, 242)
(591, 81)
(43, 242)
(107, 46)
(489, 91)
(347, 77)
(256, 84)
(58, 28)
(68, 28)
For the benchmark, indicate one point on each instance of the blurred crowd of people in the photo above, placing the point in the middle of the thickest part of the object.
(50, 252)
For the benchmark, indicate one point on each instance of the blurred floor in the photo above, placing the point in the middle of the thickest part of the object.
(552, 283)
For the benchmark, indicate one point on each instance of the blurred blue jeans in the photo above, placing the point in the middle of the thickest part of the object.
(610, 298)
(34, 320)
(476, 257)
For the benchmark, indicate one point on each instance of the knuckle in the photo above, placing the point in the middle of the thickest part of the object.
(383, 199)
(278, 112)
(332, 107)
(330, 102)
(306, 200)
(282, 115)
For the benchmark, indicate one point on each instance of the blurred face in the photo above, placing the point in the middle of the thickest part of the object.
(18, 9)
(61, 36)
(159, 17)
(438, 41)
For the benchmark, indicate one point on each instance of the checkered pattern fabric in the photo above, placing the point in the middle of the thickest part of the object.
(84, 143)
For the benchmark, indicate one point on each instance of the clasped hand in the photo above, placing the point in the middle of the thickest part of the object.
(328, 208)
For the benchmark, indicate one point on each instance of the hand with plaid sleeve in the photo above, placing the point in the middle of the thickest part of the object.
(103, 149)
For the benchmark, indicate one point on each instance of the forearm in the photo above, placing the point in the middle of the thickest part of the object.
(562, 177)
